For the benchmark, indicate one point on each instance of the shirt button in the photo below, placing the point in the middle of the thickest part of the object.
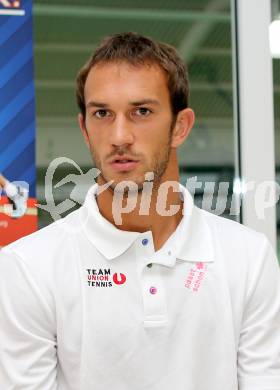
(150, 265)
(153, 290)
(145, 241)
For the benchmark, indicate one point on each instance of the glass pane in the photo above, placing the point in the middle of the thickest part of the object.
(276, 82)
(65, 36)
(275, 6)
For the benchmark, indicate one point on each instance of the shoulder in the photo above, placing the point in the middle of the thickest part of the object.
(244, 256)
(43, 262)
(43, 249)
(232, 234)
(243, 252)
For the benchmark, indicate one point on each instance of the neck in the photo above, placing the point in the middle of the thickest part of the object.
(157, 211)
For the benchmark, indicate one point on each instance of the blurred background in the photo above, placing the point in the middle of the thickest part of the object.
(65, 35)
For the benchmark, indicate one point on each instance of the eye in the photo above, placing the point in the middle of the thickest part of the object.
(143, 111)
(99, 114)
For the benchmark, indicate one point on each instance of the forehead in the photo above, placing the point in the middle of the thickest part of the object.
(123, 80)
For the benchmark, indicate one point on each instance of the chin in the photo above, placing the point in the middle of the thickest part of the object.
(106, 177)
(121, 183)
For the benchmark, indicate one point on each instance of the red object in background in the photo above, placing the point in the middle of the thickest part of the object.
(11, 229)
(10, 3)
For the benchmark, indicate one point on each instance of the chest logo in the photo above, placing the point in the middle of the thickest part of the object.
(103, 277)
(119, 279)
(195, 276)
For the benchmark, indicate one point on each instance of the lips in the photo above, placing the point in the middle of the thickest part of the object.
(123, 163)
(123, 159)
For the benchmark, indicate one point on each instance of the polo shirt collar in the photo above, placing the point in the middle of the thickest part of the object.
(192, 239)
(107, 238)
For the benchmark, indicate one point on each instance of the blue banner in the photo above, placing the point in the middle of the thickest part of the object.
(17, 121)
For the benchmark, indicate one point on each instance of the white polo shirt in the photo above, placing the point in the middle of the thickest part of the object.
(81, 293)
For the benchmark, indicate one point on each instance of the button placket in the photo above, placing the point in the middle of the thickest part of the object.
(153, 291)
(154, 301)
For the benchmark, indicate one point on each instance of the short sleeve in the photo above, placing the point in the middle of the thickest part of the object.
(259, 343)
(27, 338)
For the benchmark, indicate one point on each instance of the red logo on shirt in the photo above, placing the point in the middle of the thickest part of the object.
(118, 280)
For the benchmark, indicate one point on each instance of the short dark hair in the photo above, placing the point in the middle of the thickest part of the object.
(137, 49)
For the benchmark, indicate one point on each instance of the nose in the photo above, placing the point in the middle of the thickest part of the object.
(121, 132)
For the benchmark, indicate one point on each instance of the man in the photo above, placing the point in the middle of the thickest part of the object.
(167, 296)
(17, 195)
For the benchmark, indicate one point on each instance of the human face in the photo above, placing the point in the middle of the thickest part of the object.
(128, 116)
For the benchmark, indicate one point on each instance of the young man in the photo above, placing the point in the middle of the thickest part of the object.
(17, 195)
(168, 296)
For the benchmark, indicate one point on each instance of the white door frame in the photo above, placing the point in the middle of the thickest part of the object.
(255, 157)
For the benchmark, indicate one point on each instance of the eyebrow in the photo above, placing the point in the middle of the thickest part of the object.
(136, 103)
(96, 104)
(145, 101)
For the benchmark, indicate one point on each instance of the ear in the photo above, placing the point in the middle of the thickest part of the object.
(83, 128)
(183, 126)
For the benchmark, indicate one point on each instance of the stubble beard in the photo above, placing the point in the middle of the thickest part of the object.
(158, 167)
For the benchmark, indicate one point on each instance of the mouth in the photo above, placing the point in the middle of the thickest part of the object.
(124, 164)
